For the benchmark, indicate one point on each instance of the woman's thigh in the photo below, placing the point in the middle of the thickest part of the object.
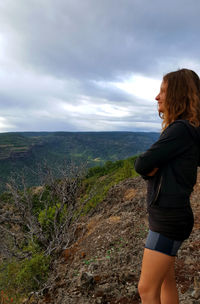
(155, 266)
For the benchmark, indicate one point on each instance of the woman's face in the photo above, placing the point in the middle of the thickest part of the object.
(161, 97)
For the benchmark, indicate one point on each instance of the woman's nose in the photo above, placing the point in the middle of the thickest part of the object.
(157, 97)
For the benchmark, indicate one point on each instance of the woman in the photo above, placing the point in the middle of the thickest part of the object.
(170, 167)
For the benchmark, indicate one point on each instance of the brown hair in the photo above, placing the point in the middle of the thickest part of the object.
(182, 97)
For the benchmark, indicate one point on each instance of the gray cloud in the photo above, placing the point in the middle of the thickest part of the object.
(56, 52)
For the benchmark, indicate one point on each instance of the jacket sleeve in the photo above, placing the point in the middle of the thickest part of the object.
(173, 142)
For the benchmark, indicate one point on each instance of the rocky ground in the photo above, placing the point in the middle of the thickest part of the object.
(103, 265)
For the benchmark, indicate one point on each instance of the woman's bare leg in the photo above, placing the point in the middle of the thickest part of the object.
(155, 266)
(168, 289)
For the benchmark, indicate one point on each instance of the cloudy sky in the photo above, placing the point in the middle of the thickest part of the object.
(91, 65)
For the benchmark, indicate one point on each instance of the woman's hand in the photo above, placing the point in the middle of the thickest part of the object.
(153, 172)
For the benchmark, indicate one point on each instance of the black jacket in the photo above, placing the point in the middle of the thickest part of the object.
(177, 155)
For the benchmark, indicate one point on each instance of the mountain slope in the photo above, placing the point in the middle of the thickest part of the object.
(103, 265)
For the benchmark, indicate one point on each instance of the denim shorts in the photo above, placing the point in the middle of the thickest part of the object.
(158, 242)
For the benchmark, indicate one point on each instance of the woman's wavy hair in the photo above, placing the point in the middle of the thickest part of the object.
(182, 97)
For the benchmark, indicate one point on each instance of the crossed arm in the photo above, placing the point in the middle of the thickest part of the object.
(170, 145)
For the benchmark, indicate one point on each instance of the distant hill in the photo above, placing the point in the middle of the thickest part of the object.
(26, 151)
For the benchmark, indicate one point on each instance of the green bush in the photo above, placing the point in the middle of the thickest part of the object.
(8, 271)
(21, 277)
(33, 272)
(46, 217)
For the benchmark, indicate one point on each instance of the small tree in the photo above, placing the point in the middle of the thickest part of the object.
(39, 222)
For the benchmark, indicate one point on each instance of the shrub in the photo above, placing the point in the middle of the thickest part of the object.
(21, 277)
(33, 272)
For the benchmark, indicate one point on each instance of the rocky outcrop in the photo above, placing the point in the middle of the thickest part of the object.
(103, 265)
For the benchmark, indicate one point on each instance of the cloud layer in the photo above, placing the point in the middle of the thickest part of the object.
(91, 65)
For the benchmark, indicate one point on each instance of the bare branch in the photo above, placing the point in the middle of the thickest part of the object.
(59, 202)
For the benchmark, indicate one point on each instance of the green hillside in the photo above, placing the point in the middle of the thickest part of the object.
(39, 221)
(27, 151)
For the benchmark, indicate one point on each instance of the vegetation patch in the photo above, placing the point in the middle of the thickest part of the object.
(100, 179)
(38, 223)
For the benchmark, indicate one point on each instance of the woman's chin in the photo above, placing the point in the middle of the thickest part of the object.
(160, 110)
